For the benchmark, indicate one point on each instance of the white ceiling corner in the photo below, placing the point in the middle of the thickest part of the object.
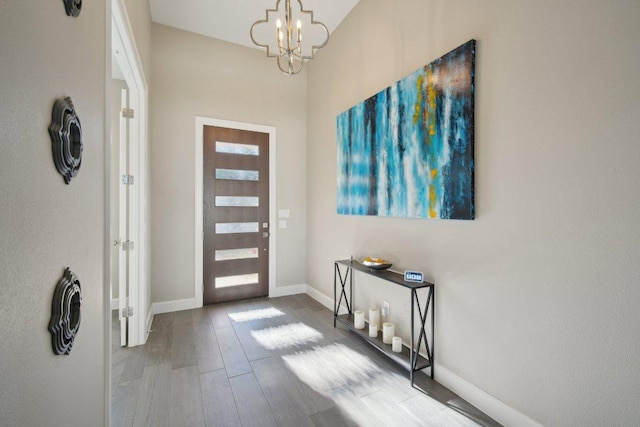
(231, 20)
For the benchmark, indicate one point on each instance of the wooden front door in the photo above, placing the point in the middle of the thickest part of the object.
(236, 214)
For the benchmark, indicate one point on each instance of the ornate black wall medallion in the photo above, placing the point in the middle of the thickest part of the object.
(66, 138)
(72, 7)
(65, 313)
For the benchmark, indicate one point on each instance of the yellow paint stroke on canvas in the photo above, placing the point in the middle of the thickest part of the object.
(432, 201)
(431, 102)
(418, 106)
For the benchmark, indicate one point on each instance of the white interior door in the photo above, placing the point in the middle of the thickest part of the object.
(123, 236)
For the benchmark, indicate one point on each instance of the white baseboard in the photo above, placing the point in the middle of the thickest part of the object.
(482, 400)
(323, 299)
(284, 291)
(175, 305)
(320, 297)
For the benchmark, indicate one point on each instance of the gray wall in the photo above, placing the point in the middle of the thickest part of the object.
(196, 76)
(46, 225)
(537, 298)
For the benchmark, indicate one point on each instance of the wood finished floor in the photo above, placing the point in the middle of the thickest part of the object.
(270, 362)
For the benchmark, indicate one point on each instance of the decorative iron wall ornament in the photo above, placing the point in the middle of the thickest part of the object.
(72, 7)
(66, 138)
(65, 313)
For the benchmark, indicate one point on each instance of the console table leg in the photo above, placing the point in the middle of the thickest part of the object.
(412, 350)
(337, 302)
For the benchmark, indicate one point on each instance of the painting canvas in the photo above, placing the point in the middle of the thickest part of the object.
(408, 150)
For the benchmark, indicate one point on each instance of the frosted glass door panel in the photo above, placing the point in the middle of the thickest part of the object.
(236, 227)
(231, 254)
(232, 148)
(239, 280)
(237, 201)
(237, 174)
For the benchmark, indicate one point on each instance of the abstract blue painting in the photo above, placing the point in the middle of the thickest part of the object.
(408, 150)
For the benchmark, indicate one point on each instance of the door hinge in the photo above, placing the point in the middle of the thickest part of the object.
(127, 312)
(127, 113)
(127, 245)
(127, 179)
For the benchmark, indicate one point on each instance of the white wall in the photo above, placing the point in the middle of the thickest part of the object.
(46, 225)
(196, 76)
(536, 298)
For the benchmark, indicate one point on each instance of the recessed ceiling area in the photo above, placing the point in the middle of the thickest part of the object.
(231, 20)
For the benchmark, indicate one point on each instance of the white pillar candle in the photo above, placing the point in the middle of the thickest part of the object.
(358, 319)
(387, 332)
(373, 330)
(396, 346)
(374, 316)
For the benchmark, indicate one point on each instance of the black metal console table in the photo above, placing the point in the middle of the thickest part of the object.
(410, 358)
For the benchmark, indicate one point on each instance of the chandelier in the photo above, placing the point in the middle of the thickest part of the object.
(287, 44)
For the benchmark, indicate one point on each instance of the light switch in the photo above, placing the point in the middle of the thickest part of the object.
(284, 213)
(282, 223)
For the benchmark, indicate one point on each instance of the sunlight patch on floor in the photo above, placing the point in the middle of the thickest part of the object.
(291, 335)
(263, 313)
(367, 393)
(324, 368)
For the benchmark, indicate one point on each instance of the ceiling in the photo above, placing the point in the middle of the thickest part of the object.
(231, 20)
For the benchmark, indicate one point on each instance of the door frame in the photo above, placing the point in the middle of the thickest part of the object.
(199, 217)
(122, 41)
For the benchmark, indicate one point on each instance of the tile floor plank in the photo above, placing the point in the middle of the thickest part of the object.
(153, 402)
(252, 349)
(287, 407)
(219, 317)
(387, 411)
(124, 401)
(160, 338)
(183, 345)
(235, 361)
(185, 398)
(332, 417)
(208, 353)
(136, 360)
(253, 408)
(217, 399)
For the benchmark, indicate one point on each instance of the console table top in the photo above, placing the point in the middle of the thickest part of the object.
(391, 276)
